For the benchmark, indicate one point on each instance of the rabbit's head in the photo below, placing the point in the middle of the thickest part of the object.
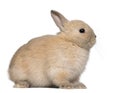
(75, 31)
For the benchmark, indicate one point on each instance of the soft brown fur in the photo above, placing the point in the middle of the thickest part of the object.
(54, 60)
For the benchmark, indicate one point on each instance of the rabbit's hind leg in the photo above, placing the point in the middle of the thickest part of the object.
(21, 84)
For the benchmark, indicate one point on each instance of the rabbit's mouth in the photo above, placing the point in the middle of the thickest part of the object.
(92, 42)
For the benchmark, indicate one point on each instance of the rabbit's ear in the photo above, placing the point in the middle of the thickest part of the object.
(59, 19)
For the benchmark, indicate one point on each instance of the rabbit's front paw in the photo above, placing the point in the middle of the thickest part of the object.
(81, 86)
(73, 86)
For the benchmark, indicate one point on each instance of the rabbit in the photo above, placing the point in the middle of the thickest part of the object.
(54, 60)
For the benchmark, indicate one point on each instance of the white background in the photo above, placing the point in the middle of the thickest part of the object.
(21, 20)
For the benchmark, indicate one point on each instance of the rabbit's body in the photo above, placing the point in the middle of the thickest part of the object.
(54, 60)
(39, 63)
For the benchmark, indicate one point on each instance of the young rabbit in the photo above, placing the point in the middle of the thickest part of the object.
(54, 60)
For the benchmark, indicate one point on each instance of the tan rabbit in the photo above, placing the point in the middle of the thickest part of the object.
(54, 60)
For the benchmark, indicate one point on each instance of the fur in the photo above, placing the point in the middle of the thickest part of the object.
(54, 60)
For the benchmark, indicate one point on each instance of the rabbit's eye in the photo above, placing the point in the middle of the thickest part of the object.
(82, 30)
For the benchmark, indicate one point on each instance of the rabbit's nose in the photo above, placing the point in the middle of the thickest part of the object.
(95, 36)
